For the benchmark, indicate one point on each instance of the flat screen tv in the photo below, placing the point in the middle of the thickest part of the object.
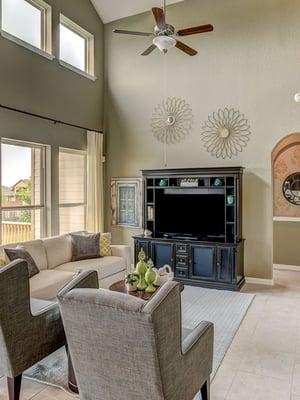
(195, 215)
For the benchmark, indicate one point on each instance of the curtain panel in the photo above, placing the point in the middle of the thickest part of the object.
(95, 182)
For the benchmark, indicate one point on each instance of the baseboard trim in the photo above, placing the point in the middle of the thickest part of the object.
(286, 267)
(259, 281)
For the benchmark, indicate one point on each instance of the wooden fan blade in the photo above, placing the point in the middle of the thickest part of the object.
(195, 30)
(159, 17)
(149, 50)
(132, 33)
(188, 50)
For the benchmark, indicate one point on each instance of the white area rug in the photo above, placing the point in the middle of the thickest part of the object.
(225, 309)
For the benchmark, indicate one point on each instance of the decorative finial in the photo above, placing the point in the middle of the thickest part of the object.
(142, 255)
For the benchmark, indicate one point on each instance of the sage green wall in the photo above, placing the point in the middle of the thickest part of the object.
(33, 83)
(286, 243)
(250, 62)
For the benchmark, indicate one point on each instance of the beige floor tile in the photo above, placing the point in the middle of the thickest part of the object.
(242, 341)
(263, 290)
(29, 388)
(222, 382)
(258, 305)
(273, 365)
(283, 308)
(52, 393)
(275, 337)
(296, 377)
(233, 359)
(255, 387)
(249, 323)
(215, 396)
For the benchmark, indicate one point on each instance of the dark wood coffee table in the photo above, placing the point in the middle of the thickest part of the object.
(121, 288)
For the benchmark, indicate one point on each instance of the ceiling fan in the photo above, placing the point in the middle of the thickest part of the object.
(165, 35)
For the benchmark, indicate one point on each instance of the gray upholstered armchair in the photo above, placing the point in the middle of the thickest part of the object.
(30, 329)
(125, 348)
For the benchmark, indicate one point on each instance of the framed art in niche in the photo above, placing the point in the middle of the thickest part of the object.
(126, 202)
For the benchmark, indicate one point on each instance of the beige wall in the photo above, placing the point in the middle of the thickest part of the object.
(250, 62)
(33, 83)
(286, 243)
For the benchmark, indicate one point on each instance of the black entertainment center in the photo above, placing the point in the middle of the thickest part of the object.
(195, 216)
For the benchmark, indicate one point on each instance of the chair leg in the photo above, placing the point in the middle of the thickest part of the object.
(14, 387)
(72, 382)
(205, 390)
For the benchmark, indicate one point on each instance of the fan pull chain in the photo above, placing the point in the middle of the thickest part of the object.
(165, 88)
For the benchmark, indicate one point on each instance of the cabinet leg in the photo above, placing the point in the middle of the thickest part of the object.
(14, 387)
(205, 391)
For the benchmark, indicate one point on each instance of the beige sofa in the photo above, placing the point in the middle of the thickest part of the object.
(53, 258)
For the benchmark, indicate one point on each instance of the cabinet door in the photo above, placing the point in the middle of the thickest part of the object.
(203, 262)
(139, 245)
(224, 264)
(162, 253)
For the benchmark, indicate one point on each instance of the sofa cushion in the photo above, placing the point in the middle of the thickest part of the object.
(105, 266)
(58, 250)
(34, 247)
(38, 306)
(48, 283)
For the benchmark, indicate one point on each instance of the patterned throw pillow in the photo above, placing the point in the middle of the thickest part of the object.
(105, 243)
(19, 252)
(3, 262)
(85, 245)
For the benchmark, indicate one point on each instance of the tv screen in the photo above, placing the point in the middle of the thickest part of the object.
(198, 215)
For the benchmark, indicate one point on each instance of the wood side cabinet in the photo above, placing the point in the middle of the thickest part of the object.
(213, 265)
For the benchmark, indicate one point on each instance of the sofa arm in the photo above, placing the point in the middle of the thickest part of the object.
(124, 252)
(84, 280)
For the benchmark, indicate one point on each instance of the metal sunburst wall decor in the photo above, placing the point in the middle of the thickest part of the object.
(172, 121)
(226, 133)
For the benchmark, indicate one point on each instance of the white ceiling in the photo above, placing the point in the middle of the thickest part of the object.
(111, 10)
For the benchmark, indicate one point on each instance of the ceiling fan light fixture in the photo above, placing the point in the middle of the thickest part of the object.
(164, 43)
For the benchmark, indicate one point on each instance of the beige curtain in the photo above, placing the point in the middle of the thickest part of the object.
(95, 182)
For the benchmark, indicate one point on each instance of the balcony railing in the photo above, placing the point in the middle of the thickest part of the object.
(15, 232)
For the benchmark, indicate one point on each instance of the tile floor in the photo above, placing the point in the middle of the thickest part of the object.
(263, 362)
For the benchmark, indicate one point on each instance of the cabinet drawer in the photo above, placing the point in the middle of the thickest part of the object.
(181, 248)
(181, 272)
(181, 261)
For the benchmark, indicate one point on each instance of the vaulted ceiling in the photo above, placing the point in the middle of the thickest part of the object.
(111, 10)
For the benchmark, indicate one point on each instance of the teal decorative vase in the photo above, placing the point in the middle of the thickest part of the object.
(141, 269)
(150, 277)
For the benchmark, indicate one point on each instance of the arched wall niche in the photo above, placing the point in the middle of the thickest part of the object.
(285, 162)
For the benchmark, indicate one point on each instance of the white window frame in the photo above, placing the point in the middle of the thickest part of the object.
(46, 34)
(74, 205)
(89, 49)
(43, 186)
